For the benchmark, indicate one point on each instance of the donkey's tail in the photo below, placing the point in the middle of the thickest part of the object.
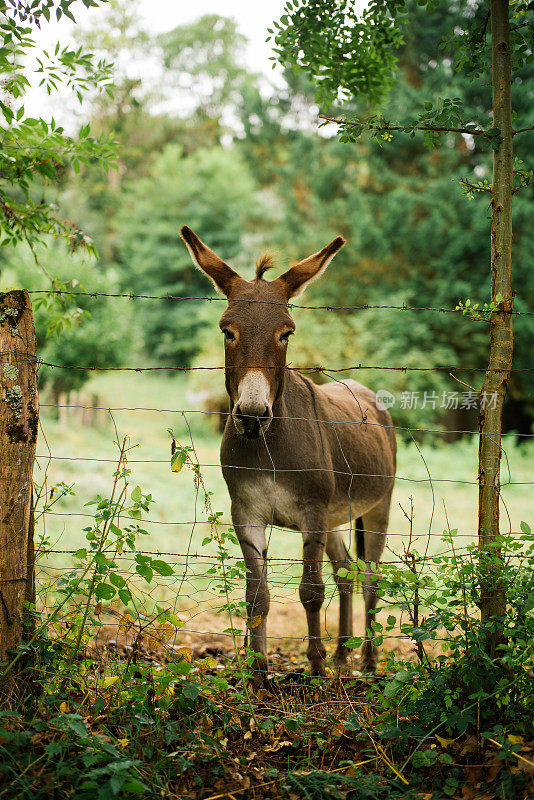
(360, 539)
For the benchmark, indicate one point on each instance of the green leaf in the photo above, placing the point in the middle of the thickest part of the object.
(145, 572)
(178, 459)
(174, 620)
(116, 783)
(525, 527)
(125, 596)
(161, 567)
(134, 786)
(117, 580)
(101, 560)
(81, 553)
(103, 591)
(190, 690)
(137, 494)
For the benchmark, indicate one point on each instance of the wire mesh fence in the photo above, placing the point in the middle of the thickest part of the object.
(170, 583)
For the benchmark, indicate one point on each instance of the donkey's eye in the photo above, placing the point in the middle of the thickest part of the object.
(285, 336)
(228, 335)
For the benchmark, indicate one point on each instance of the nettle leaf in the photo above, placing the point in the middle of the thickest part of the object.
(137, 494)
(101, 560)
(175, 620)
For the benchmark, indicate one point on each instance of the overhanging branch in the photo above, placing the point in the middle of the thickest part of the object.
(387, 127)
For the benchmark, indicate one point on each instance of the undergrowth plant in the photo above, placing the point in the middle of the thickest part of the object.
(454, 688)
(154, 719)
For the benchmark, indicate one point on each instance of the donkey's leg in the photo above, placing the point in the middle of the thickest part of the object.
(311, 593)
(252, 540)
(375, 520)
(340, 558)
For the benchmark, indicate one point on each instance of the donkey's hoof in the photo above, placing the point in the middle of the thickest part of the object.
(259, 673)
(317, 669)
(367, 667)
(342, 657)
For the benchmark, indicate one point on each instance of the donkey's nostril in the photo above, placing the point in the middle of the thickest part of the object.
(250, 421)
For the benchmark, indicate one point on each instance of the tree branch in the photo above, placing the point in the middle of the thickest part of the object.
(388, 127)
(522, 130)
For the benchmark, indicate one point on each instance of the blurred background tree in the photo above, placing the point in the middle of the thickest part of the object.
(204, 142)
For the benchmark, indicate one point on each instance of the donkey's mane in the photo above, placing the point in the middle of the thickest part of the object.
(266, 262)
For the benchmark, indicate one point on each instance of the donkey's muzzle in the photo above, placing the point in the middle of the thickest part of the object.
(251, 425)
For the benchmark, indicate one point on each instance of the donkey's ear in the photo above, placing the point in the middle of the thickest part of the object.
(206, 260)
(295, 280)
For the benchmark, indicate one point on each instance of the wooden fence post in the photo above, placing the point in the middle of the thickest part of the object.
(492, 597)
(19, 416)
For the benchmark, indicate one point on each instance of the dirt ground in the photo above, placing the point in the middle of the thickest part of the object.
(203, 635)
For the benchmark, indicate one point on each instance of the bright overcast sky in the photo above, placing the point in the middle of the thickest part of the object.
(253, 19)
(252, 16)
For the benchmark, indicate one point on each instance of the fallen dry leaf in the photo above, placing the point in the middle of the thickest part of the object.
(278, 746)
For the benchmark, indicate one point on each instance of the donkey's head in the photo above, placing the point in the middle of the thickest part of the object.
(256, 327)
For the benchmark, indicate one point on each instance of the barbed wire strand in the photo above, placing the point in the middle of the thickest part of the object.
(215, 298)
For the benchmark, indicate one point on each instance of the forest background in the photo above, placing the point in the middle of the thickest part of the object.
(249, 168)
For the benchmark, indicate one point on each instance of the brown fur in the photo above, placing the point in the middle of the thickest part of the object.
(266, 262)
(299, 456)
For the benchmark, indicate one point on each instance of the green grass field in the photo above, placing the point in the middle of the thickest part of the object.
(452, 467)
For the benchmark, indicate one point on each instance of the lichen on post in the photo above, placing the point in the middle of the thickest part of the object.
(19, 415)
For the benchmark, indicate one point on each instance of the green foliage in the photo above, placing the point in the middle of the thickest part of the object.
(346, 53)
(213, 192)
(72, 330)
(202, 59)
(394, 198)
(463, 689)
(34, 151)
(83, 764)
(351, 55)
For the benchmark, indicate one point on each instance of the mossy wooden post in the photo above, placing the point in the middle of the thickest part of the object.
(19, 414)
(492, 599)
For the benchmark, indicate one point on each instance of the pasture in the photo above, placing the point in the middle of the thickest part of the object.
(182, 673)
(85, 457)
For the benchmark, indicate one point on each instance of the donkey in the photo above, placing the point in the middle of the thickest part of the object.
(297, 455)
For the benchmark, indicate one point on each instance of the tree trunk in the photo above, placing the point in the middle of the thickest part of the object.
(492, 600)
(19, 415)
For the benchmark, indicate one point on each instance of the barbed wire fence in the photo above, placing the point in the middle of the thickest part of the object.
(158, 603)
